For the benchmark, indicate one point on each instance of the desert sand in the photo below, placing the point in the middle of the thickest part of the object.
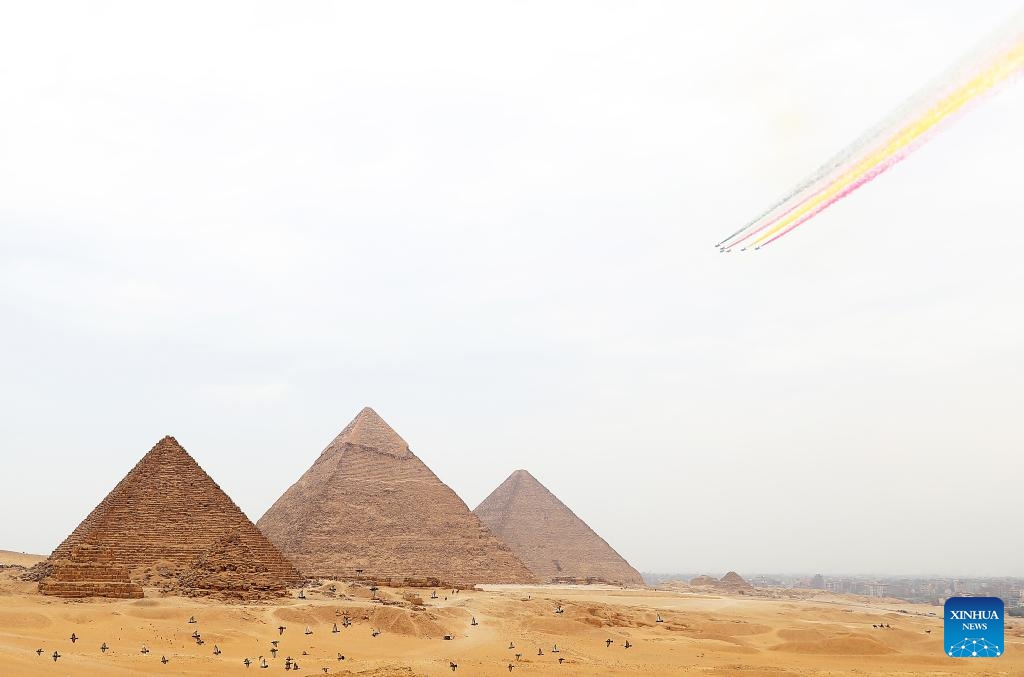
(701, 633)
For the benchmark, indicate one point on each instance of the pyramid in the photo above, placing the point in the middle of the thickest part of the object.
(88, 572)
(556, 544)
(369, 509)
(167, 516)
(734, 580)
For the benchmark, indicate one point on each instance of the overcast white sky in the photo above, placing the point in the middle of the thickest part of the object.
(238, 223)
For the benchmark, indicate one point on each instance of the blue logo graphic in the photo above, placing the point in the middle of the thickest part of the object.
(974, 627)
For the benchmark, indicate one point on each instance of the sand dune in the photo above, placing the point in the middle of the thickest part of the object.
(701, 634)
(8, 557)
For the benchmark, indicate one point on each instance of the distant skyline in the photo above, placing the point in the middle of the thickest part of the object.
(238, 224)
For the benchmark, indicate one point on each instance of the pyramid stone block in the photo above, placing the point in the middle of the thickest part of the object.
(369, 509)
(556, 544)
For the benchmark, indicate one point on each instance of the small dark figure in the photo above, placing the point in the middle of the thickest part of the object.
(452, 665)
(308, 631)
(305, 653)
(560, 659)
(554, 649)
(627, 644)
(39, 652)
(540, 652)
(341, 657)
(273, 652)
(216, 650)
(247, 662)
(473, 622)
(55, 656)
(519, 656)
(928, 632)
(335, 628)
(280, 629)
(376, 632)
(199, 641)
(191, 619)
(145, 649)
(326, 670)
(73, 638)
(658, 619)
(165, 660)
(275, 642)
(510, 666)
(608, 642)
(433, 595)
(264, 663)
(511, 645)
(104, 647)
(295, 665)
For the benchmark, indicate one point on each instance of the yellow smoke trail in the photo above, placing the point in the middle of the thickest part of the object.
(1011, 62)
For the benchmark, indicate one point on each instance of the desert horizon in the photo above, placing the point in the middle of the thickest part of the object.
(671, 629)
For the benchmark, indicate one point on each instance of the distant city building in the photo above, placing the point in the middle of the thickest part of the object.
(876, 589)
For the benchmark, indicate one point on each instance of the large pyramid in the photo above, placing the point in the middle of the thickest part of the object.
(555, 543)
(369, 509)
(167, 520)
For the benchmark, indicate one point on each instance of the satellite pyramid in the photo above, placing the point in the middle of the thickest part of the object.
(369, 509)
(555, 543)
(168, 519)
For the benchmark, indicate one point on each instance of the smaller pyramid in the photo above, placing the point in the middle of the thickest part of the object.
(734, 580)
(167, 518)
(89, 572)
(550, 539)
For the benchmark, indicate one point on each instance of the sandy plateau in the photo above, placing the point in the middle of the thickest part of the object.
(701, 634)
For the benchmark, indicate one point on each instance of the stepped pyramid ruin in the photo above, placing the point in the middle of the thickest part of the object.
(556, 544)
(369, 509)
(167, 520)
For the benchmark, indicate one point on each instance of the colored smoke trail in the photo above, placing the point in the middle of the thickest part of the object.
(882, 147)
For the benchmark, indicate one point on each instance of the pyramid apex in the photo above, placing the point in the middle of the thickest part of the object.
(167, 443)
(521, 474)
(371, 431)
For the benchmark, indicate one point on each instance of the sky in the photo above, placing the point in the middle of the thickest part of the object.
(239, 223)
